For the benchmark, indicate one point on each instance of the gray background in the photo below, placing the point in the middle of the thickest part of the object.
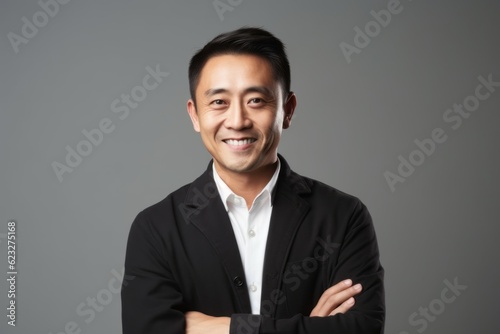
(352, 122)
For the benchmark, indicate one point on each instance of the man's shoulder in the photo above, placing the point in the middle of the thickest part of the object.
(169, 202)
(200, 188)
(318, 191)
(329, 204)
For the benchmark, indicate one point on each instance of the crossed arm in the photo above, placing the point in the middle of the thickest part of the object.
(337, 299)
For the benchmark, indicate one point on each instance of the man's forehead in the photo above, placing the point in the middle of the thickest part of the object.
(220, 73)
(234, 63)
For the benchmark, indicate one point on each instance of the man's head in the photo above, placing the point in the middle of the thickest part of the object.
(250, 41)
(241, 100)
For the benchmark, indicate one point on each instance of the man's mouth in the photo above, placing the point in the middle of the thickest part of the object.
(239, 142)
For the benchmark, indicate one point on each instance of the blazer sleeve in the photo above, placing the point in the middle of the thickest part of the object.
(151, 299)
(358, 260)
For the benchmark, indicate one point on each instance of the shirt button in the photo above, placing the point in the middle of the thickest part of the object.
(251, 233)
(253, 288)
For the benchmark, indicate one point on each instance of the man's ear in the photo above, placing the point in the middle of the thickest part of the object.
(289, 108)
(193, 114)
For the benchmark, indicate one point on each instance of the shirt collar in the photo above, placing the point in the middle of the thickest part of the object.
(226, 193)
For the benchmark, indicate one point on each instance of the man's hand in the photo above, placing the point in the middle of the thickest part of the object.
(337, 299)
(199, 323)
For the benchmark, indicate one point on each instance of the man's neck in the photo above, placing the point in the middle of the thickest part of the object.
(249, 184)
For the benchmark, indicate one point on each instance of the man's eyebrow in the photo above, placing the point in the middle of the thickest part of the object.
(253, 89)
(214, 91)
(260, 89)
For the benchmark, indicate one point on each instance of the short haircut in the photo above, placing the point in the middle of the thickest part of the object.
(244, 41)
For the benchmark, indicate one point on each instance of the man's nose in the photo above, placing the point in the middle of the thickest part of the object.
(237, 117)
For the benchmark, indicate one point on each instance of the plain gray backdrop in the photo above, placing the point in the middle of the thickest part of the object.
(359, 115)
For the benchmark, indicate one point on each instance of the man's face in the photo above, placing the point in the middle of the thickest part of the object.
(240, 112)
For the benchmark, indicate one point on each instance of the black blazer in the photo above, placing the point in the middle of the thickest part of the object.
(182, 255)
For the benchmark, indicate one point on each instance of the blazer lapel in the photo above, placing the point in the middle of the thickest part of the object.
(289, 210)
(208, 214)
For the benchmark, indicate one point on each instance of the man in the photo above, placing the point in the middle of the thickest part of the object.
(250, 246)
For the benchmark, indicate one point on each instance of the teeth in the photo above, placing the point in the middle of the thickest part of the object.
(239, 142)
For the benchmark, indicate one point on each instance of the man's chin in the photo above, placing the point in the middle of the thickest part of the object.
(243, 166)
(239, 167)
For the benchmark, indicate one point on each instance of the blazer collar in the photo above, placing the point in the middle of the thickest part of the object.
(205, 185)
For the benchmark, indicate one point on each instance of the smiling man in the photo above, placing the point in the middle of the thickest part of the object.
(250, 246)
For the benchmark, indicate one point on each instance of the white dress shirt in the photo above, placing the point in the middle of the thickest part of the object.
(251, 227)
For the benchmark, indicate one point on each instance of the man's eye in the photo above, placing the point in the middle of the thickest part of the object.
(219, 102)
(256, 100)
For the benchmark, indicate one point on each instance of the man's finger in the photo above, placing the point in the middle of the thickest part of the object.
(344, 307)
(334, 297)
(332, 290)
